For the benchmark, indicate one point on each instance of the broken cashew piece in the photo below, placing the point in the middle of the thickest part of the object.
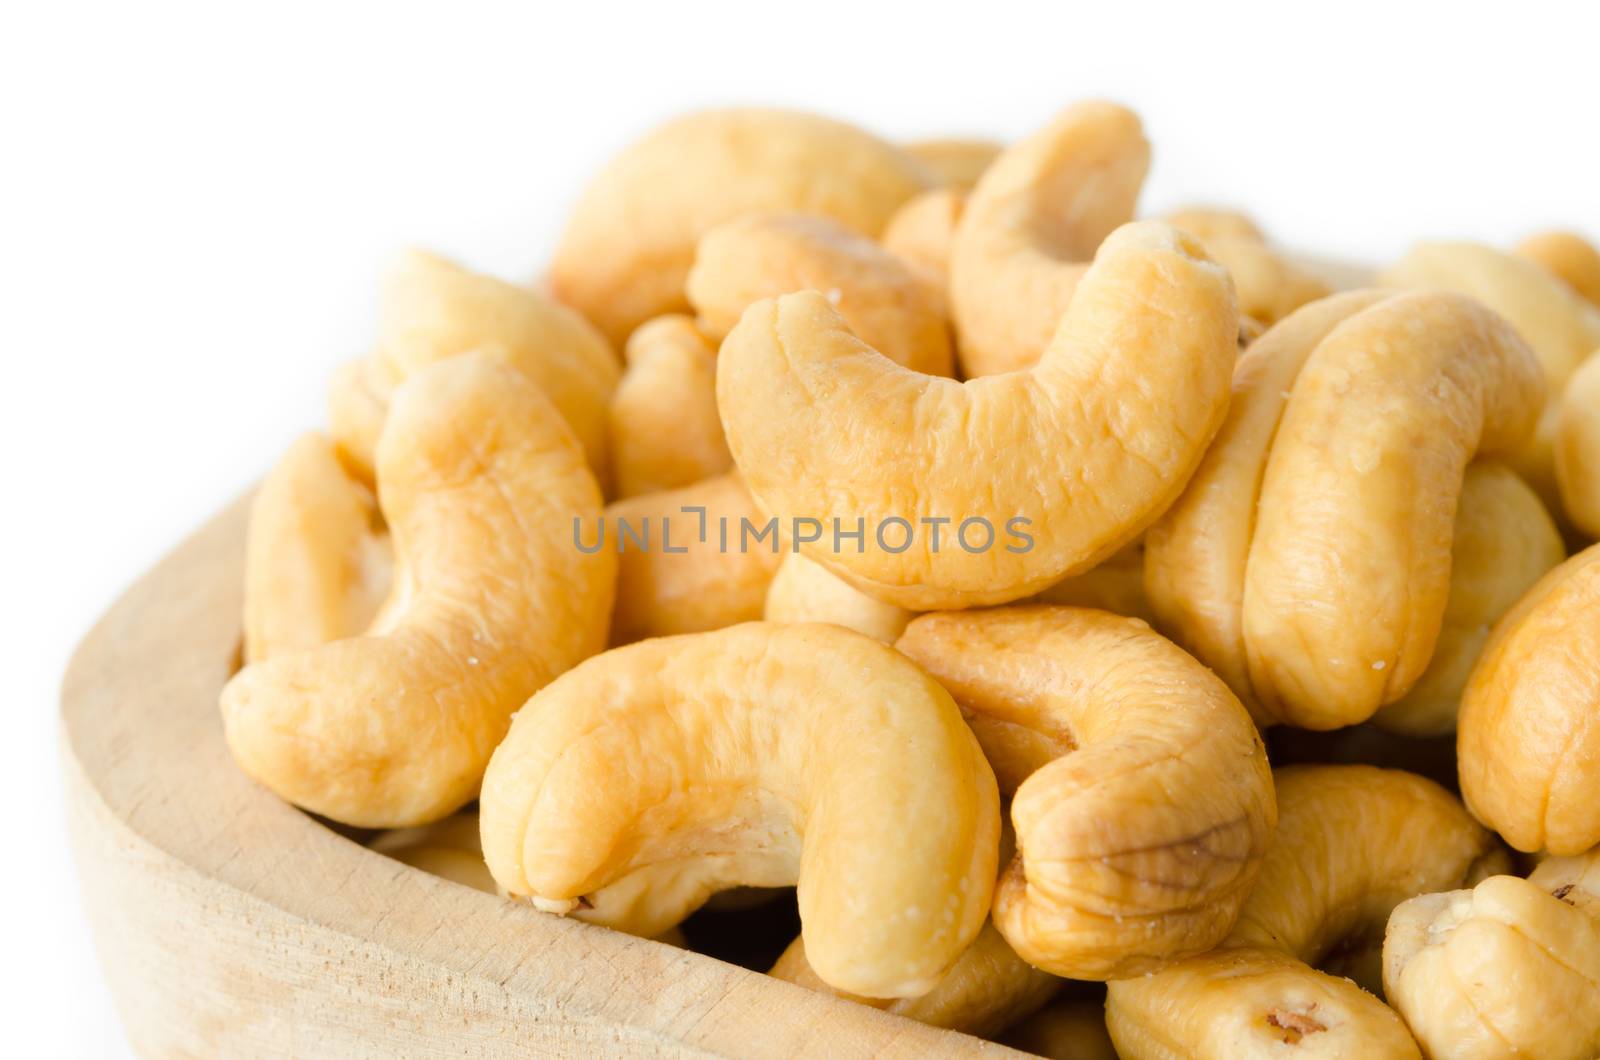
(687, 563)
(631, 238)
(1576, 445)
(1064, 454)
(955, 163)
(1085, 714)
(766, 255)
(665, 430)
(1568, 257)
(1508, 969)
(479, 481)
(1031, 226)
(776, 755)
(1504, 542)
(1269, 285)
(431, 309)
(317, 560)
(1528, 746)
(1353, 842)
(1324, 513)
(803, 590)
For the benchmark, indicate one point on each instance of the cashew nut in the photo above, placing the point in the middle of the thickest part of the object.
(665, 430)
(449, 848)
(1308, 563)
(479, 481)
(1508, 969)
(1116, 585)
(687, 563)
(1031, 226)
(318, 561)
(806, 591)
(1083, 715)
(1528, 744)
(1567, 256)
(765, 255)
(631, 238)
(763, 755)
(431, 309)
(1082, 452)
(921, 233)
(1504, 542)
(1071, 1029)
(1576, 448)
(1352, 843)
(1269, 285)
(955, 163)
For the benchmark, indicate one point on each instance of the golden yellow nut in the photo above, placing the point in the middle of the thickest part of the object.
(689, 559)
(769, 254)
(1032, 225)
(318, 562)
(1504, 542)
(1143, 802)
(631, 238)
(1071, 1029)
(665, 429)
(1575, 446)
(761, 755)
(1528, 744)
(955, 163)
(1116, 585)
(1308, 562)
(1352, 843)
(1269, 285)
(1567, 256)
(921, 233)
(431, 309)
(450, 848)
(480, 482)
(805, 591)
(1077, 456)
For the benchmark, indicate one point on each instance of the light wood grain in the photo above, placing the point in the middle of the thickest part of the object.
(230, 924)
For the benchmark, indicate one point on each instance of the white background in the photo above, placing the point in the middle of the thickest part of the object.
(195, 199)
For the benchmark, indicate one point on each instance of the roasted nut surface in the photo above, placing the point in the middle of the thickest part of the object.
(1032, 225)
(1308, 562)
(631, 238)
(1082, 447)
(479, 481)
(1576, 448)
(1528, 745)
(1086, 716)
(1352, 843)
(762, 755)
(665, 429)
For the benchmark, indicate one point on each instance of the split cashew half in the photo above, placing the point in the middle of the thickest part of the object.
(1143, 802)
(1081, 453)
(1508, 969)
(762, 755)
(1568, 257)
(1529, 738)
(480, 483)
(665, 429)
(631, 238)
(1576, 445)
(1353, 842)
(1031, 226)
(1308, 563)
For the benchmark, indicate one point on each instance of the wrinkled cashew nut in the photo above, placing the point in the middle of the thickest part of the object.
(1085, 714)
(1353, 842)
(631, 238)
(763, 755)
(1269, 285)
(1308, 563)
(1082, 452)
(665, 429)
(479, 482)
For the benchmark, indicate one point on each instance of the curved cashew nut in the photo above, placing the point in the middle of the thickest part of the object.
(1567, 256)
(1084, 714)
(1269, 286)
(1527, 744)
(775, 754)
(1504, 542)
(630, 240)
(955, 163)
(805, 591)
(318, 563)
(1116, 585)
(665, 430)
(1576, 447)
(1510, 968)
(766, 255)
(450, 849)
(479, 481)
(921, 234)
(431, 309)
(688, 564)
(1353, 842)
(1082, 452)
(1323, 514)
(1031, 226)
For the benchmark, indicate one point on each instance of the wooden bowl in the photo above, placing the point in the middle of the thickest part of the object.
(230, 923)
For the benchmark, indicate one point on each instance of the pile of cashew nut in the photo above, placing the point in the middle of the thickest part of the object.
(1100, 630)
